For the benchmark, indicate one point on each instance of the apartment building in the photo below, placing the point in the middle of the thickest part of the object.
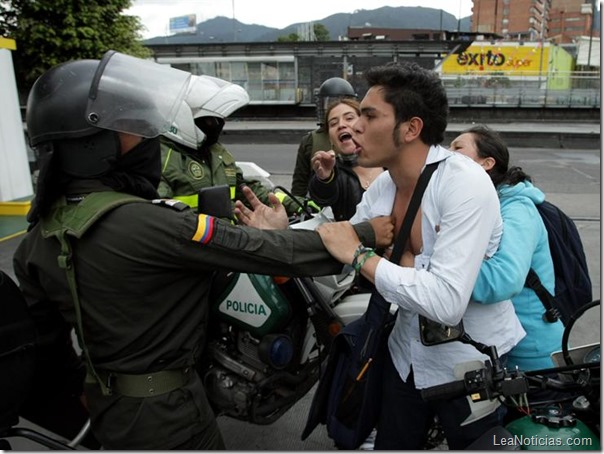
(570, 19)
(534, 20)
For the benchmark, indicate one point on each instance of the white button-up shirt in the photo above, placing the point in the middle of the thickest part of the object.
(461, 225)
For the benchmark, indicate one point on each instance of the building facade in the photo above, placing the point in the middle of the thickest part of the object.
(571, 19)
(560, 20)
(512, 19)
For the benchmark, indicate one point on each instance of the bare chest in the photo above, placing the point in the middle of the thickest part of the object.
(399, 210)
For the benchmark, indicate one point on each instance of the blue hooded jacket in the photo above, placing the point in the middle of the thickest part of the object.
(524, 245)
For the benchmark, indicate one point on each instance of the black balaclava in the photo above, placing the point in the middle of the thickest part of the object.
(212, 128)
(137, 172)
(50, 185)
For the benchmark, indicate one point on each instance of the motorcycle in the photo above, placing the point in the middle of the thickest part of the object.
(269, 335)
(570, 422)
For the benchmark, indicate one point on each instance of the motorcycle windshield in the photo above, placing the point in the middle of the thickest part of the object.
(135, 96)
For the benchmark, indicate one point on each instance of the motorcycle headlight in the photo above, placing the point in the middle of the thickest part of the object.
(276, 350)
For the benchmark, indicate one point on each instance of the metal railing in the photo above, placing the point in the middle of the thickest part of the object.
(554, 90)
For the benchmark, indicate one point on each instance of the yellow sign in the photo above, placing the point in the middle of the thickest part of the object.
(7, 43)
(493, 58)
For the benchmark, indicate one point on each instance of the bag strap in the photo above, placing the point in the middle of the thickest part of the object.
(74, 221)
(405, 230)
(414, 204)
(551, 314)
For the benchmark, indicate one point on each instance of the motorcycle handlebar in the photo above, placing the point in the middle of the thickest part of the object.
(484, 384)
(445, 391)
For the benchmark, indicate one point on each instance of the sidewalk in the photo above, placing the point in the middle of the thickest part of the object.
(234, 125)
(585, 135)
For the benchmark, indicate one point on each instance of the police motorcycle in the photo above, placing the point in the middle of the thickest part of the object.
(269, 335)
(570, 422)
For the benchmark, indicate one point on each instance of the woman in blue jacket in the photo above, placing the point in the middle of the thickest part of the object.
(524, 245)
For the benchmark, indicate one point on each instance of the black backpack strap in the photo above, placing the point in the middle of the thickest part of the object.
(551, 314)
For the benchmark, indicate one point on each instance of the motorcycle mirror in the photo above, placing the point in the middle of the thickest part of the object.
(215, 201)
(434, 333)
(581, 337)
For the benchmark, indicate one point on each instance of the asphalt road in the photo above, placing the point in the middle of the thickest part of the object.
(571, 178)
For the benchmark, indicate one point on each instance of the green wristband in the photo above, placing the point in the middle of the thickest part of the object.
(358, 264)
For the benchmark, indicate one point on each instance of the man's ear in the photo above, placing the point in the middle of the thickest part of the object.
(416, 125)
(488, 163)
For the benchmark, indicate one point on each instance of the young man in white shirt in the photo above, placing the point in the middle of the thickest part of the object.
(404, 116)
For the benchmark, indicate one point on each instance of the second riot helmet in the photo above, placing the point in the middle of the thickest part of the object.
(330, 90)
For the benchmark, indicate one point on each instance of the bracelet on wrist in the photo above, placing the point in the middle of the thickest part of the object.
(359, 265)
(361, 254)
(329, 179)
(360, 248)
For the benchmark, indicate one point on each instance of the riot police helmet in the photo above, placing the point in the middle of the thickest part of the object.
(332, 89)
(209, 100)
(75, 108)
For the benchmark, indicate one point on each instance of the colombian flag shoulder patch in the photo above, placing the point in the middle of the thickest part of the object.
(205, 229)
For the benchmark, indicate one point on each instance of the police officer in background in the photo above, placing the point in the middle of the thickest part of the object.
(131, 275)
(192, 156)
(330, 90)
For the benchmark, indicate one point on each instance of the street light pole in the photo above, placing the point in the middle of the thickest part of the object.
(234, 23)
(591, 32)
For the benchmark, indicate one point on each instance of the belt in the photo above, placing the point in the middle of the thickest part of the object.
(143, 385)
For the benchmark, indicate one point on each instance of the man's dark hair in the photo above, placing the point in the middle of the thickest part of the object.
(414, 91)
(489, 144)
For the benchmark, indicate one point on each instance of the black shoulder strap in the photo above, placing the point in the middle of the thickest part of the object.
(551, 314)
(416, 200)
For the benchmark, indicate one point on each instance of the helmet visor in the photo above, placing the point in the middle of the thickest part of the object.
(135, 96)
(183, 129)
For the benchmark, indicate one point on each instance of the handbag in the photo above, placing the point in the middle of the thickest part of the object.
(348, 397)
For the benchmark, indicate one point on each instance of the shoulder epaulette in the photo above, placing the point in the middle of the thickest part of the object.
(171, 203)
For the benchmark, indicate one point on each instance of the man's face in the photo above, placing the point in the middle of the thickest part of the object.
(373, 131)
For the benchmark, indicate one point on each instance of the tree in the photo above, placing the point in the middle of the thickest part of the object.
(49, 32)
(289, 38)
(321, 32)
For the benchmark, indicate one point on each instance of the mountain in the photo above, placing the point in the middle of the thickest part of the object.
(223, 29)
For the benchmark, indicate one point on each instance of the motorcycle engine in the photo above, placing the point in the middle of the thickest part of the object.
(252, 369)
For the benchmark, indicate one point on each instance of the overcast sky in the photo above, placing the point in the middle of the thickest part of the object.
(155, 14)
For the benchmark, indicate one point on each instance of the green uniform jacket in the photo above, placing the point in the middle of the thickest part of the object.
(313, 141)
(143, 274)
(183, 175)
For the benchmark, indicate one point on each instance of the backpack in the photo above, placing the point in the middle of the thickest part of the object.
(572, 282)
(349, 395)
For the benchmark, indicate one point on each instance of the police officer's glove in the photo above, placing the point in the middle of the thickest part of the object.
(313, 206)
(304, 205)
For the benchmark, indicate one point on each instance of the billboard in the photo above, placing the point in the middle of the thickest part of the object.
(183, 24)
(484, 57)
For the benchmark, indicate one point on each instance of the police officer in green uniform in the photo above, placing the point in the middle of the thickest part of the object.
(131, 275)
(188, 165)
(331, 89)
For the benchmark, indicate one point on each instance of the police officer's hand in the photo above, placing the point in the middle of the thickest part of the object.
(383, 227)
(260, 215)
(323, 163)
(339, 239)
